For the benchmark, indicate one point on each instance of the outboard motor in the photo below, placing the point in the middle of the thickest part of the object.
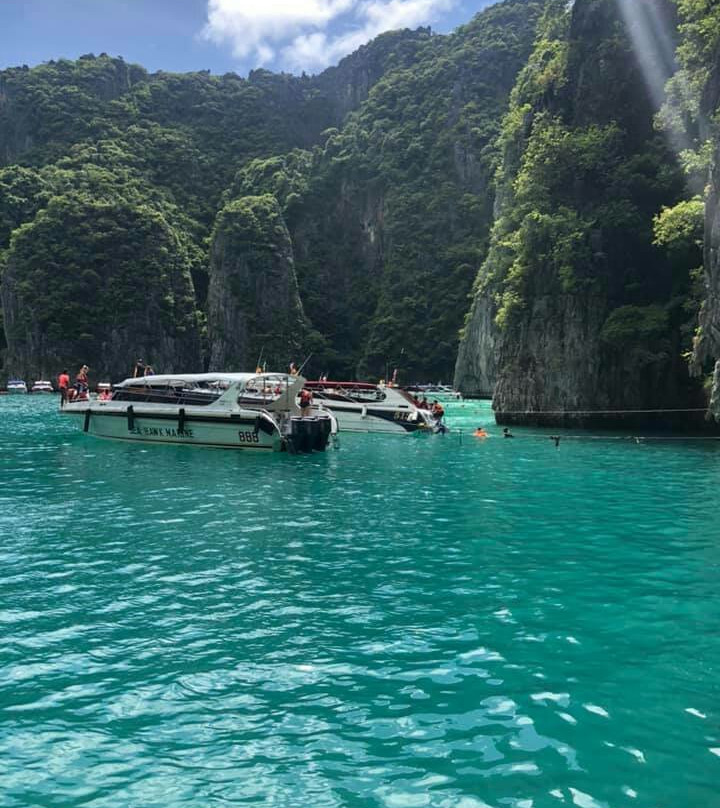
(312, 425)
(323, 434)
(300, 437)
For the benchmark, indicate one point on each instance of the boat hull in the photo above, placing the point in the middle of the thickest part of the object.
(358, 418)
(221, 431)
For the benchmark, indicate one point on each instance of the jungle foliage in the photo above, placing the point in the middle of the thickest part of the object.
(521, 144)
(382, 166)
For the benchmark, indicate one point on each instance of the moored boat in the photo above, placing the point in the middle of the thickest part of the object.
(364, 407)
(256, 411)
(42, 386)
(16, 387)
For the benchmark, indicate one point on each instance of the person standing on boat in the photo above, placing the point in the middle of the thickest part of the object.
(293, 369)
(63, 384)
(82, 385)
(305, 402)
(139, 369)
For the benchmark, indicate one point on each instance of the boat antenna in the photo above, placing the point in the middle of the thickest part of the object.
(304, 363)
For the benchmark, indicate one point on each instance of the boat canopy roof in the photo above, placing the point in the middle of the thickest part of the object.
(208, 379)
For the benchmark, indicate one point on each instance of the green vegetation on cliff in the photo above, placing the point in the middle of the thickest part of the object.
(585, 272)
(382, 166)
(347, 214)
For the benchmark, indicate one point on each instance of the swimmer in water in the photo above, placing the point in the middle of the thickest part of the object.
(480, 433)
(507, 433)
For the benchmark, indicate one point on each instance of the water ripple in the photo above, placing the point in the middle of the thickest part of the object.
(421, 622)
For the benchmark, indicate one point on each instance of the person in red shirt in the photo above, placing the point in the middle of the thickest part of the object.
(305, 402)
(63, 384)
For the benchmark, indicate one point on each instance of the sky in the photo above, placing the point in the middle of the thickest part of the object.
(216, 35)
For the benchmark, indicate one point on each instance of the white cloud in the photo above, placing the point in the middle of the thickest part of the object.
(310, 34)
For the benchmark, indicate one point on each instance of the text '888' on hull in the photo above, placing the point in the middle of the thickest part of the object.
(233, 411)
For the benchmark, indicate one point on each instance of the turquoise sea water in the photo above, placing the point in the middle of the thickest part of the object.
(411, 621)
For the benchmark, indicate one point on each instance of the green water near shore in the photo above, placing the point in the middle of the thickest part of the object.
(411, 621)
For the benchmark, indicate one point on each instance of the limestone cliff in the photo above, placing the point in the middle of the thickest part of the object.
(40, 106)
(254, 307)
(78, 288)
(575, 308)
(390, 216)
(706, 356)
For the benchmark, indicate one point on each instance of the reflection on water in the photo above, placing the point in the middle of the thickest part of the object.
(411, 621)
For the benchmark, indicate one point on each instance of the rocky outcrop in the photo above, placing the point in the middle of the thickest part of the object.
(99, 284)
(349, 83)
(40, 106)
(475, 371)
(254, 307)
(707, 342)
(574, 307)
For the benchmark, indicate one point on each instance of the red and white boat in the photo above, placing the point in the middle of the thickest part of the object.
(364, 407)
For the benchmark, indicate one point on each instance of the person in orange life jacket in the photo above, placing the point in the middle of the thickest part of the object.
(63, 384)
(437, 410)
(305, 402)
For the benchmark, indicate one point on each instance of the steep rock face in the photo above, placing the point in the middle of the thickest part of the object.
(391, 216)
(254, 307)
(575, 307)
(475, 370)
(75, 290)
(349, 83)
(707, 344)
(60, 102)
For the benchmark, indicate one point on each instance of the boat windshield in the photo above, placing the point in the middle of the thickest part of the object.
(264, 389)
(347, 391)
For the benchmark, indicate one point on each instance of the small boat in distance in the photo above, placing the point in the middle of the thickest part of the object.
(42, 387)
(256, 411)
(16, 387)
(364, 407)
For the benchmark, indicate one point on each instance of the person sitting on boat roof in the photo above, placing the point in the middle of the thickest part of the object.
(424, 404)
(105, 395)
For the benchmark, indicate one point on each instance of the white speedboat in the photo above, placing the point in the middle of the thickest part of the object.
(16, 386)
(255, 411)
(361, 407)
(42, 387)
